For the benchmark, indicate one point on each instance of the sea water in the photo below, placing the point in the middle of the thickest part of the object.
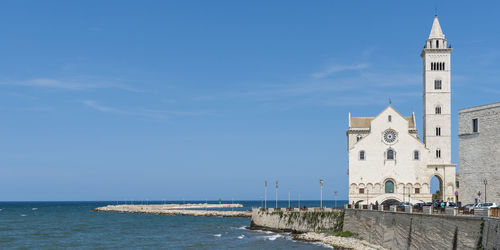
(74, 225)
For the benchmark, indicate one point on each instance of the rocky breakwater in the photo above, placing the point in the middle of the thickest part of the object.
(178, 209)
(337, 242)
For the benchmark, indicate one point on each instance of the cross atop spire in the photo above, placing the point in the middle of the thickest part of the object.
(436, 32)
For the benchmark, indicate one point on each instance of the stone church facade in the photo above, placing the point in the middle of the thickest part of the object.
(387, 160)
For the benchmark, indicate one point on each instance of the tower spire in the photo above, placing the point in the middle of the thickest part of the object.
(436, 32)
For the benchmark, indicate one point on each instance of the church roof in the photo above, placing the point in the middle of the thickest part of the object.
(364, 122)
(436, 31)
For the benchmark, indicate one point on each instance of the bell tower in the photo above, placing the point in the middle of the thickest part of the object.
(436, 57)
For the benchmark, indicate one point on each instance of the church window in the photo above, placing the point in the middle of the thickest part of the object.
(389, 118)
(475, 125)
(437, 84)
(443, 66)
(415, 155)
(389, 187)
(390, 154)
(359, 137)
(438, 110)
(437, 44)
(438, 153)
(432, 66)
(417, 190)
(438, 131)
(361, 190)
(361, 155)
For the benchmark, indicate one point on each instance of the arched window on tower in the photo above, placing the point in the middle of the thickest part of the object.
(438, 131)
(359, 137)
(389, 118)
(438, 153)
(390, 154)
(437, 44)
(437, 84)
(362, 155)
(416, 155)
(438, 110)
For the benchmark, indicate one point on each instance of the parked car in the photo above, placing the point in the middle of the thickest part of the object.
(469, 207)
(485, 205)
(405, 204)
(420, 204)
(451, 204)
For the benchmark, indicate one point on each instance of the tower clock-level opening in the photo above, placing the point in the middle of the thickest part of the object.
(436, 188)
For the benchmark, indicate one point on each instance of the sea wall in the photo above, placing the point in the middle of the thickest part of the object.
(396, 230)
(297, 220)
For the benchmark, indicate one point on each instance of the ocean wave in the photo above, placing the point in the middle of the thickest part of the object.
(322, 244)
(35, 208)
(23, 215)
(241, 236)
(217, 235)
(273, 237)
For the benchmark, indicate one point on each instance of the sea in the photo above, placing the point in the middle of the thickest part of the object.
(65, 225)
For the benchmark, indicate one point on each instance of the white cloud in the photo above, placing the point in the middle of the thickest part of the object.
(339, 68)
(149, 113)
(71, 84)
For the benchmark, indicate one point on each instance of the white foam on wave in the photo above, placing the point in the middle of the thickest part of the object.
(242, 227)
(241, 236)
(322, 244)
(23, 215)
(273, 237)
(217, 235)
(35, 208)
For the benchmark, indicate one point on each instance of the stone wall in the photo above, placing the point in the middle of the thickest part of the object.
(395, 230)
(479, 153)
(297, 221)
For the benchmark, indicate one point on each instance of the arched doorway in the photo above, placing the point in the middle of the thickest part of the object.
(436, 188)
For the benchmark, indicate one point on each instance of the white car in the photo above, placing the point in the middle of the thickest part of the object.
(485, 205)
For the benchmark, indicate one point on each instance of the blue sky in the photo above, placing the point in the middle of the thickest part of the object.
(111, 100)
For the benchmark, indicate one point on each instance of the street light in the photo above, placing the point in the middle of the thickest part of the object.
(321, 193)
(367, 198)
(409, 193)
(335, 200)
(289, 198)
(485, 183)
(265, 194)
(276, 194)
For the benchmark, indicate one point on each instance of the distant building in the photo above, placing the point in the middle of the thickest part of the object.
(479, 153)
(387, 161)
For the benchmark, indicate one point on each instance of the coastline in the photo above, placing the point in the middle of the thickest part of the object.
(337, 241)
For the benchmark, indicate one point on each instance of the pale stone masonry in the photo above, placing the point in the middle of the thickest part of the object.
(387, 160)
(479, 153)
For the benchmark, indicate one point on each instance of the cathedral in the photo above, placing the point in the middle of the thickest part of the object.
(388, 163)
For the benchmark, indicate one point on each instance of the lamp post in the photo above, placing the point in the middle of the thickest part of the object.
(335, 199)
(409, 192)
(276, 194)
(485, 183)
(289, 198)
(321, 193)
(299, 200)
(265, 194)
(367, 198)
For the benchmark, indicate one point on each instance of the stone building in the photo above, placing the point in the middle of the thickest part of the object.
(479, 153)
(387, 160)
